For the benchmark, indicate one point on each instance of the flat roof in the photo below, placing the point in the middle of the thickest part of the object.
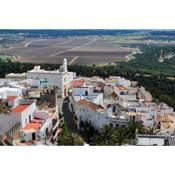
(134, 113)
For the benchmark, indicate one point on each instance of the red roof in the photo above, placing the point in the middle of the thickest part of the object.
(9, 98)
(20, 108)
(77, 83)
(32, 126)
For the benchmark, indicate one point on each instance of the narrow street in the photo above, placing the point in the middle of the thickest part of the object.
(66, 109)
(68, 115)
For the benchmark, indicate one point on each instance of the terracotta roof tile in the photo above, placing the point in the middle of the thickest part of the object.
(120, 88)
(20, 108)
(32, 126)
(90, 105)
(77, 83)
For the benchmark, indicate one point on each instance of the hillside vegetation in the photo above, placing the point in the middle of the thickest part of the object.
(148, 61)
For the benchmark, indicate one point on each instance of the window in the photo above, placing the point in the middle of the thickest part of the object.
(29, 118)
(26, 120)
(111, 125)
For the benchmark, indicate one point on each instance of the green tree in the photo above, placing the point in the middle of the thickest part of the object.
(132, 127)
(119, 136)
(104, 136)
(68, 138)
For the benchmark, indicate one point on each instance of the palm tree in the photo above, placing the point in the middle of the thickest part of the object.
(4, 109)
(132, 127)
(119, 136)
(68, 138)
(104, 136)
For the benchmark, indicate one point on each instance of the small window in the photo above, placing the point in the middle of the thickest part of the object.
(116, 125)
(111, 125)
(29, 118)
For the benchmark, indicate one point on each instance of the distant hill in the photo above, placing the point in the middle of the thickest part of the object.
(69, 32)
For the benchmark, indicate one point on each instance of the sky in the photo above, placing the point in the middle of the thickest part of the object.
(87, 14)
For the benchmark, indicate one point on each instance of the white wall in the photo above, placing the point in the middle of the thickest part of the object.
(14, 92)
(7, 121)
(98, 99)
(7, 91)
(28, 136)
(128, 97)
(3, 95)
(13, 103)
(123, 82)
(95, 118)
(53, 79)
(26, 113)
(61, 80)
(41, 114)
(150, 141)
(107, 90)
(82, 90)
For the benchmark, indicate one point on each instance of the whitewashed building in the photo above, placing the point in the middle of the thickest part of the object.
(96, 115)
(59, 78)
(9, 91)
(21, 113)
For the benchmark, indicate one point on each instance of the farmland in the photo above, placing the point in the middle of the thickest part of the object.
(78, 50)
(81, 47)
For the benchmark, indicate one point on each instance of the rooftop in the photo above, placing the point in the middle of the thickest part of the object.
(78, 83)
(4, 89)
(43, 71)
(90, 105)
(166, 118)
(120, 88)
(134, 113)
(20, 108)
(10, 98)
(34, 126)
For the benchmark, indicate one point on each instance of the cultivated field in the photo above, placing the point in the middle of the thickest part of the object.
(78, 50)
